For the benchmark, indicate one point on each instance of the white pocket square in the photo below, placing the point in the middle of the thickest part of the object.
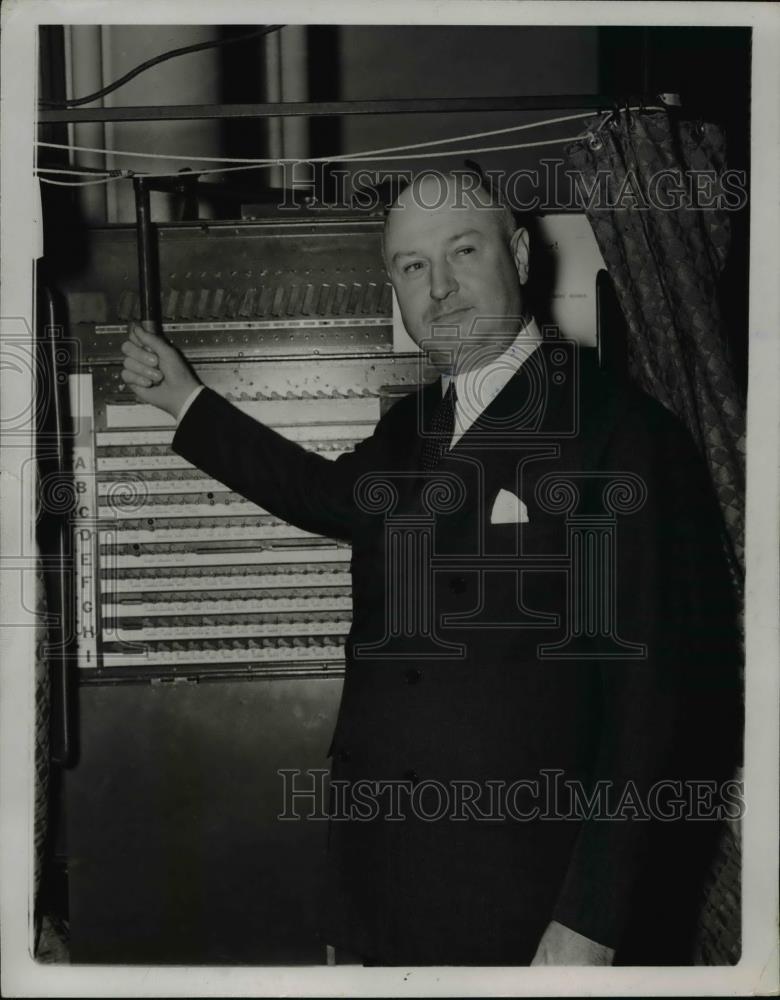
(508, 509)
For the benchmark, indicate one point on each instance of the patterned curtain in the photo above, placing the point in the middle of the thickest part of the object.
(665, 260)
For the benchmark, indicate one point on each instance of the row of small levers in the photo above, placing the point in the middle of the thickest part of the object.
(192, 574)
(308, 649)
(271, 300)
(204, 618)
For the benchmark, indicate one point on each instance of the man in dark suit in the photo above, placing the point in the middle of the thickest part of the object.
(542, 632)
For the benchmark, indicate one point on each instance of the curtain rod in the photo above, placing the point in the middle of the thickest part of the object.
(171, 112)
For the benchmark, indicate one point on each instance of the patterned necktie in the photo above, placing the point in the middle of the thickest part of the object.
(440, 432)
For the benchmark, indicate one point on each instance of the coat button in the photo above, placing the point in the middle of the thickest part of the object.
(412, 675)
(458, 584)
(411, 775)
(344, 756)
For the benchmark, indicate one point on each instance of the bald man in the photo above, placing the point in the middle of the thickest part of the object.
(485, 702)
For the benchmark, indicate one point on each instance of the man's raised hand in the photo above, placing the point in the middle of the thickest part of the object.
(156, 371)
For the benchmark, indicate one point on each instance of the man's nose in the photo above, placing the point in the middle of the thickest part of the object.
(443, 281)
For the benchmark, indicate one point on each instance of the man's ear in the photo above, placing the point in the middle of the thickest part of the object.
(520, 248)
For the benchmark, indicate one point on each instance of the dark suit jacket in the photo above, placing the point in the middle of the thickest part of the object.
(480, 700)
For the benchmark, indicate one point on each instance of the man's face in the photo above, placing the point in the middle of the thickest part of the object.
(456, 272)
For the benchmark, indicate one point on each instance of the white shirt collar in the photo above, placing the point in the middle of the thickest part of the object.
(477, 388)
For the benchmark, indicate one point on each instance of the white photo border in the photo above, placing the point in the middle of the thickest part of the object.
(757, 971)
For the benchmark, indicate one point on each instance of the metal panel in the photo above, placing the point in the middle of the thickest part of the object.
(176, 851)
(231, 290)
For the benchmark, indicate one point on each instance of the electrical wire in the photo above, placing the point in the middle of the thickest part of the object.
(449, 152)
(325, 159)
(82, 173)
(273, 163)
(480, 135)
(357, 157)
(152, 156)
(281, 161)
(99, 180)
(76, 102)
(243, 164)
(370, 159)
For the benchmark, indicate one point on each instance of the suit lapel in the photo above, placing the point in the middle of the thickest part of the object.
(527, 414)
(539, 409)
(528, 405)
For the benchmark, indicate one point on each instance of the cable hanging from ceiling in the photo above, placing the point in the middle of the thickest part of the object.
(77, 102)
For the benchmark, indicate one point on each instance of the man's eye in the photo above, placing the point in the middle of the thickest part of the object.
(414, 266)
(465, 250)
